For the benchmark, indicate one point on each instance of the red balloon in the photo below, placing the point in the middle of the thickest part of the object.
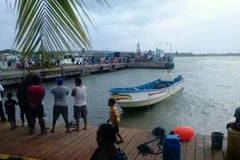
(184, 132)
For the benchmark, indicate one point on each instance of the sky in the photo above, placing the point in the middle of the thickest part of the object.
(197, 26)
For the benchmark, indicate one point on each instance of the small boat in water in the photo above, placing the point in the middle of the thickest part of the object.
(147, 94)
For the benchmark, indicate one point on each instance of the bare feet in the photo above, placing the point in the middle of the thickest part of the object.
(52, 131)
(85, 128)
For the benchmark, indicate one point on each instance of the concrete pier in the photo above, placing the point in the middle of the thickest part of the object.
(17, 76)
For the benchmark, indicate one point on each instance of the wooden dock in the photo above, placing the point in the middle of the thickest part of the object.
(80, 145)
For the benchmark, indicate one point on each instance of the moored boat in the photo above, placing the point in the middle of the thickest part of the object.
(147, 94)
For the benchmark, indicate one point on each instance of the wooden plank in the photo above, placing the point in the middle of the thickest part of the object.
(183, 149)
(8, 141)
(208, 155)
(145, 138)
(59, 147)
(191, 149)
(199, 148)
(80, 145)
(159, 157)
(225, 149)
(16, 141)
(63, 150)
(83, 152)
(220, 155)
(37, 143)
(127, 138)
(72, 148)
(155, 146)
(133, 142)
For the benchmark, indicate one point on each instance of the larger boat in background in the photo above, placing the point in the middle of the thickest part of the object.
(147, 94)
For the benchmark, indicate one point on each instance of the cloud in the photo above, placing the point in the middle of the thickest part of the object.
(199, 26)
(7, 24)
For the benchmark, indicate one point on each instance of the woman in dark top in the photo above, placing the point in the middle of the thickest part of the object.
(108, 149)
(22, 101)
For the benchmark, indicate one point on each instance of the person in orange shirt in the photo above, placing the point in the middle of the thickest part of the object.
(114, 118)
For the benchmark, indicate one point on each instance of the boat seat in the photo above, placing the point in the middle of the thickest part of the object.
(159, 85)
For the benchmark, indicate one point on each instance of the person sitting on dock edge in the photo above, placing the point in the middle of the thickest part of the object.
(236, 124)
(108, 149)
(80, 105)
(60, 106)
(114, 118)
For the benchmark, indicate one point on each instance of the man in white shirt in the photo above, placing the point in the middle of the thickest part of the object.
(80, 105)
(3, 118)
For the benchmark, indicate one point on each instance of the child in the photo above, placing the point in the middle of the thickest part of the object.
(10, 110)
(114, 118)
(236, 124)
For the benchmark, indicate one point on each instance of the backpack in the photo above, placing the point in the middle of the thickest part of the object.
(158, 131)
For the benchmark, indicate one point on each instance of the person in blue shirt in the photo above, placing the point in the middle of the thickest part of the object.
(108, 149)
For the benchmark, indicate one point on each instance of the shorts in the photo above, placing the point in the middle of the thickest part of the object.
(37, 112)
(57, 110)
(80, 112)
(11, 116)
(116, 128)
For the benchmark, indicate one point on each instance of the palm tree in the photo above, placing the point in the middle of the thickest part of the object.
(45, 26)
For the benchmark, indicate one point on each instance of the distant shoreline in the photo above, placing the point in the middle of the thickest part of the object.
(206, 55)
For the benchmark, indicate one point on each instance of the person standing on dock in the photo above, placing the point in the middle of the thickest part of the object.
(80, 105)
(60, 106)
(114, 118)
(11, 110)
(35, 95)
(23, 102)
(3, 118)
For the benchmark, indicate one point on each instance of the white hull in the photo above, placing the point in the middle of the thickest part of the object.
(146, 98)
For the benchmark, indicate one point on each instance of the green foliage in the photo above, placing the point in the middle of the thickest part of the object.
(45, 26)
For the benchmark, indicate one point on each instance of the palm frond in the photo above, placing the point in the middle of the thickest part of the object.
(49, 25)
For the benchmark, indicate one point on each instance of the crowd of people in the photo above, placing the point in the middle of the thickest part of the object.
(30, 97)
(29, 63)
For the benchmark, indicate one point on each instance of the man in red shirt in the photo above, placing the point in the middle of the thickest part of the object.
(35, 95)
